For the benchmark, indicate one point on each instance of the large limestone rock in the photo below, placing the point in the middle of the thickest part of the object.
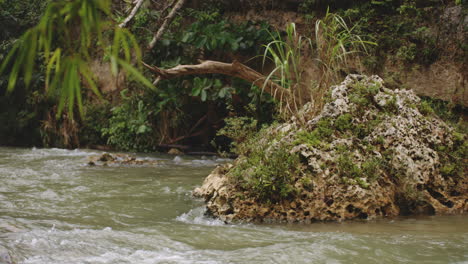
(370, 153)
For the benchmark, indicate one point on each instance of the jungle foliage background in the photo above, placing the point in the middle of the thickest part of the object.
(208, 112)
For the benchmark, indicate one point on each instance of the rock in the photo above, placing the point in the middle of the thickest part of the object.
(174, 151)
(106, 157)
(119, 159)
(382, 158)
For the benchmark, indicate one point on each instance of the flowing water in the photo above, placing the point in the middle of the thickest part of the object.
(56, 209)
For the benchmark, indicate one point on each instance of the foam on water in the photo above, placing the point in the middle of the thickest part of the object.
(197, 216)
(60, 152)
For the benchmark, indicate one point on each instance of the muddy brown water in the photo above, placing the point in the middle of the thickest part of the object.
(55, 209)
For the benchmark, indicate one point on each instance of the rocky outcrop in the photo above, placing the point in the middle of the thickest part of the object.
(372, 152)
(119, 159)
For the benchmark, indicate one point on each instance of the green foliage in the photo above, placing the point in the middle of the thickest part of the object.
(62, 40)
(370, 168)
(344, 122)
(225, 36)
(209, 36)
(405, 31)
(22, 110)
(359, 173)
(20, 118)
(407, 53)
(129, 126)
(286, 56)
(451, 113)
(210, 89)
(96, 119)
(391, 106)
(317, 137)
(268, 175)
(239, 129)
(363, 95)
(425, 108)
(448, 170)
(453, 157)
(308, 6)
(334, 44)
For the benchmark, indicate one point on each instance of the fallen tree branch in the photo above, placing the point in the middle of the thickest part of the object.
(235, 69)
(165, 23)
(133, 13)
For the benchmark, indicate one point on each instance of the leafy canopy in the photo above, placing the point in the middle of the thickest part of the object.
(62, 41)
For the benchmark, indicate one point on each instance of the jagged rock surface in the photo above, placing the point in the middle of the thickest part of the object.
(119, 159)
(393, 153)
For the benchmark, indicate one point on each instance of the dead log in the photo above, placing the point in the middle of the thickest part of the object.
(235, 69)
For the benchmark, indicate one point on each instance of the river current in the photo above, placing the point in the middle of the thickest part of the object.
(56, 209)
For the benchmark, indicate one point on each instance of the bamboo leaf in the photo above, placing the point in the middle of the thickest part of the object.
(136, 74)
(86, 73)
(54, 60)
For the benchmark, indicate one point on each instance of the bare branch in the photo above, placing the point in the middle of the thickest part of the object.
(133, 13)
(165, 23)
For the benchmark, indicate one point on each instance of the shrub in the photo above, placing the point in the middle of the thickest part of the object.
(129, 127)
(239, 129)
(268, 175)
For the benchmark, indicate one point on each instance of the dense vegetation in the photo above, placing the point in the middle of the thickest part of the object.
(128, 113)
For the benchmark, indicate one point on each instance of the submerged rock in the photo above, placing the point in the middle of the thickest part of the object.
(119, 159)
(175, 151)
(370, 153)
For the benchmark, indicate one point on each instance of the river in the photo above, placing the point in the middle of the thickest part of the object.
(56, 209)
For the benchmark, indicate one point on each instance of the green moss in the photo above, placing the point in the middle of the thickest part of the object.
(448, 169)
(425, 108)
(316, 137)
(363, 183)
(458, 138)
(370, 168)
(307, 183)
(454, 157)
(267, 175)
(311, 139)
(391, 106)
(362, 95)
(352, 173)
(347, 167)
(380, 140)
(324, 128)
(344, 122)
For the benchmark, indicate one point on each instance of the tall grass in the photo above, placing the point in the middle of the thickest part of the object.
(286, 55)
(333, 47)
(336, 46)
